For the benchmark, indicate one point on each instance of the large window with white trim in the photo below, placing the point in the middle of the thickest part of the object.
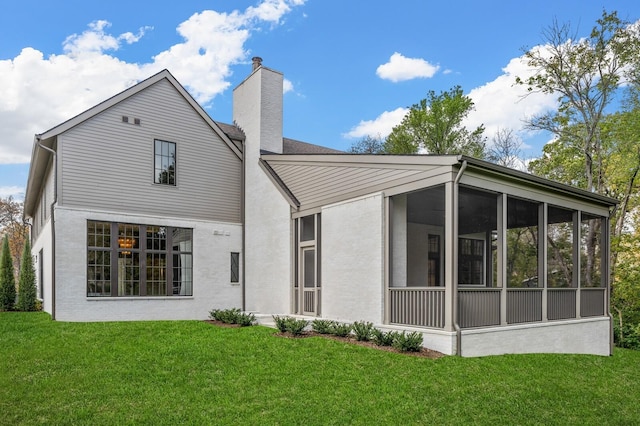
(138, 260)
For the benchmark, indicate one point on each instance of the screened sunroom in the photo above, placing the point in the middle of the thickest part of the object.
(479, 258)
(497, 248)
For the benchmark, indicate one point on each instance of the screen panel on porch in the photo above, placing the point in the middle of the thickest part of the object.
(416, 293)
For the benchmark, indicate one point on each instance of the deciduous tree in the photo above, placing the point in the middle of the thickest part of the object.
(368, 145)
(435, 126)
(593, 150)
(11, 224)
(506, 149)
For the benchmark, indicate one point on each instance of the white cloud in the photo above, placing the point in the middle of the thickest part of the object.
(379, 126)
(287, 86)
(499, 104)
(503, 104)
(38, 92)
(401, 68)
(16, 192)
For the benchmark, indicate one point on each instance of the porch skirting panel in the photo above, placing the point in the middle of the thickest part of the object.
(585, 336)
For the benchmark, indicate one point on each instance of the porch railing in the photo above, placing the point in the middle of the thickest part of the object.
(478, 307)
(561, 303)
(481, 307)
(524, 305)
(592, 302)
(420, 306)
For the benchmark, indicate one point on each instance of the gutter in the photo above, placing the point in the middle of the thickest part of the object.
(53, 225)
(454, 281)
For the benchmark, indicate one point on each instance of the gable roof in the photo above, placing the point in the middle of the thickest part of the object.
(40, 157)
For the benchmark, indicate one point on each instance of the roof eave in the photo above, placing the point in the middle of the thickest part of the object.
(550, 184)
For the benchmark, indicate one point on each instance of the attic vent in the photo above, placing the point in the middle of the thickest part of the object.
(136, 121)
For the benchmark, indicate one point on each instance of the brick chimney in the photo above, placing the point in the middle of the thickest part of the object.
(257, 109)
(257, 62)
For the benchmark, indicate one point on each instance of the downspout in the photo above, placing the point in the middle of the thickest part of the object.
(454, 281)
(242, 219)
(53, 225)
(608, 275)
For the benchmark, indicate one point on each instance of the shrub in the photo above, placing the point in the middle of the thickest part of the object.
(213, 314)
(281, 323)
(627, 337)
(362, 330)
(246, 319)
(7, 281)
(296, 326)
(233, 316)
(382, 338)
(228, 316)
(340, 329)
(27, 281)
(411, 342)
(322, 326)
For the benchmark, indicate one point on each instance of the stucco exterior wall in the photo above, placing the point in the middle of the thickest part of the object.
(212, 288)
(352, 261)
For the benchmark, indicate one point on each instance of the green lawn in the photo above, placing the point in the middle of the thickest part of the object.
(190, 372)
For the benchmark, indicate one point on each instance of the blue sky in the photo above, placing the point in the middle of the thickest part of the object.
(351, 67)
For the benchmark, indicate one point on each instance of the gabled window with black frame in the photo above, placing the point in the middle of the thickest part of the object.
(164, 162)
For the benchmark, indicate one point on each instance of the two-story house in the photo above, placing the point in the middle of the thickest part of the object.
(143, 207)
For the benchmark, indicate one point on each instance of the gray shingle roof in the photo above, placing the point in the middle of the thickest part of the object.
(289, 146)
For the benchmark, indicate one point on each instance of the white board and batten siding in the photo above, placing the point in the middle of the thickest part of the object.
(108, 165)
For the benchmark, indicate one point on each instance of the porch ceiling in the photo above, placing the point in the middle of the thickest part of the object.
(317, 183)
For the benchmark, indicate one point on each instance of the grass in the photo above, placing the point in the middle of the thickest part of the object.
(190, 372)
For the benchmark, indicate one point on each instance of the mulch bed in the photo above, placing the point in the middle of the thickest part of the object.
(423, 353)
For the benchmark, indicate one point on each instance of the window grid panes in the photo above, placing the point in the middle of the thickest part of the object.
(182, 261)
(98, 259)
(235, 267)
(471, 261)
(159, 265)
(165, 162)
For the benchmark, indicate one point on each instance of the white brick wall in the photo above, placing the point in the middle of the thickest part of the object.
(352, 260)
(257, 109)
(211, 272)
